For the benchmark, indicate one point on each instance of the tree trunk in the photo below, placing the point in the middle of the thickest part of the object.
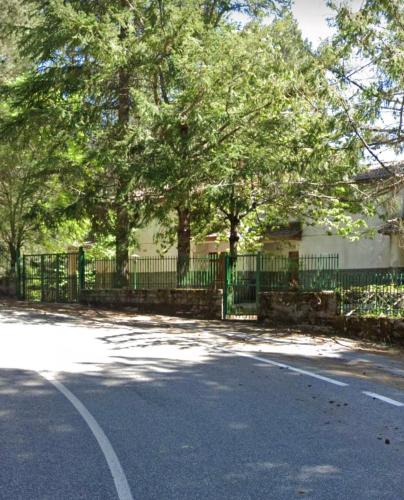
(183, 244)
(123, 98)
(122, 230)
(13, 278)
(14, 252)
(234, 237)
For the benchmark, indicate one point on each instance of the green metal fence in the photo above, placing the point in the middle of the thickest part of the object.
(248, 275)
(59, 278)
(155, 272)
(5, 266)
(8, 277)
(372, 292)
(240, 290)
(305, 273)
(50, 277)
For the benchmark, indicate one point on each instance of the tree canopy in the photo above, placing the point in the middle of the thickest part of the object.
(133, 110)
(368, 65)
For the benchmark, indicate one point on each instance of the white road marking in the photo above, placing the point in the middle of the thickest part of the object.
(383, 398)
(288, 367)
(118, 475)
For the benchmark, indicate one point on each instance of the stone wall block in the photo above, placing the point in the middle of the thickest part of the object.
(197, 303)
(297, 307)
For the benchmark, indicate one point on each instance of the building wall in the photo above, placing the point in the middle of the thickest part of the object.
(146, 245)
(363, 253)
(379, 251)
(206, 247)
(397, 251)
(281, 247)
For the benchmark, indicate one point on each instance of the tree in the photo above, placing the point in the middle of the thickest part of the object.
(22, 189)
(201, 99)
(256, 132)
(15, 18)
(92, 85)
(139, 104)
(81, 91)
(20, 185)
(367, 59)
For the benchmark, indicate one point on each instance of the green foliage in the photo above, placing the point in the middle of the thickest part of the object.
(256, 131)
(367, 58)
(15, 19)
(137, 110)
(20, 189)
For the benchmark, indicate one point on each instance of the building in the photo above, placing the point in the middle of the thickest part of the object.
(384, 249)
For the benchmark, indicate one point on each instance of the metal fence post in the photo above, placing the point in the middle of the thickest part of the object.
(42, 277)
(226, 285)
(23, 279)
(82, 268)
(57, 278)
(17, 274)
(258, 280)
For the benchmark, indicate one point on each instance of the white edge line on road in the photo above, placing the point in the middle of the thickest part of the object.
(383, 398)
(118, 475)
(292, 368)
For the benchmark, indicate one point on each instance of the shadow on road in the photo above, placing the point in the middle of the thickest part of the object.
(190, 421)
(214, 428)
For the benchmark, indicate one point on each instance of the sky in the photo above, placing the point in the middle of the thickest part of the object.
(312, 18)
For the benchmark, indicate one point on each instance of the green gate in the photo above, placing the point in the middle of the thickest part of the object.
(52, 277)
(248, 275)
(241, 286)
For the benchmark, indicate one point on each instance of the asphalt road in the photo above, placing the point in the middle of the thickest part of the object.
(157, 408)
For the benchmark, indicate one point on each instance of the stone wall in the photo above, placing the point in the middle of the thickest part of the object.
(297, 307)
(322, 308)
(8, 287)
(316, 308)
(388, 330)
(196, 303)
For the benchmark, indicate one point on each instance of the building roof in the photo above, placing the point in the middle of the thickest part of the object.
(392, 226)
(293, 231)
(375, 173)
